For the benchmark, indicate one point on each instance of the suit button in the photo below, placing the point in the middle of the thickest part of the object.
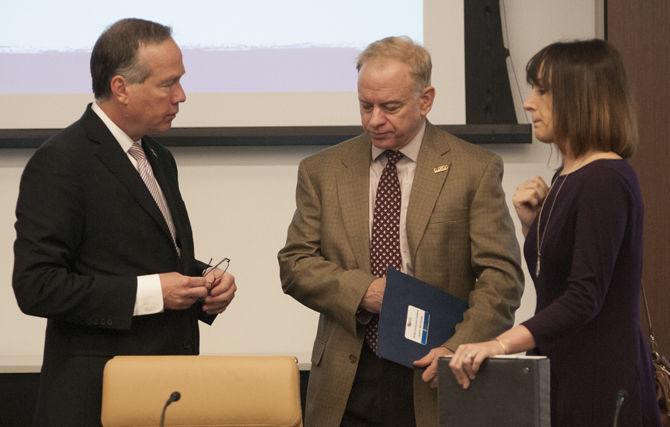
(109, 322)
(353, 359)
(94, 322)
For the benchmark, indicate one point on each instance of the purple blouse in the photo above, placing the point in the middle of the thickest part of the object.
(587, 318)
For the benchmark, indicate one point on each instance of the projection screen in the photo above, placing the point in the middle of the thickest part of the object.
(248, 63)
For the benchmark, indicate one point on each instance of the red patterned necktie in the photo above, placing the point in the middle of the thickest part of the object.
(147, 174)
(385, 243)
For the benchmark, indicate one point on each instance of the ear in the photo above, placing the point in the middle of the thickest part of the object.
(120, 89)
(426, 100)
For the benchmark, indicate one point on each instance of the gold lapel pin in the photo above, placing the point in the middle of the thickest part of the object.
(442, 168)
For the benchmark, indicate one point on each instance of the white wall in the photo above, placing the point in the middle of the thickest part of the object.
(241, 200)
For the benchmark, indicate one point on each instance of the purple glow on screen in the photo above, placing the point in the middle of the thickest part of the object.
(255, 70)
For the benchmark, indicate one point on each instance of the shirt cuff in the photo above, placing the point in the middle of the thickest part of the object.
(149, 298)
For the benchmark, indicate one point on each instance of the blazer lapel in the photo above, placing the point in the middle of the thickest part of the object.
(432, 169)
(113, 157)
(353, 188)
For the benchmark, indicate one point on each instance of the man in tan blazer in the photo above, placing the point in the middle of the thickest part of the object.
(455, 233)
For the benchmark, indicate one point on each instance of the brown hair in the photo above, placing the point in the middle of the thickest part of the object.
(592, 106)
(115, 52)
(405, 50)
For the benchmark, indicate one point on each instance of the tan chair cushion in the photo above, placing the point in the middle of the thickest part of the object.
(215, 391)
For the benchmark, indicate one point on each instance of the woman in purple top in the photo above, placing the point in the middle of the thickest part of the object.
(583, 245)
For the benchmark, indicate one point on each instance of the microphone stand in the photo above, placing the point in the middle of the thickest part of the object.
(620, 397)
(174, 396)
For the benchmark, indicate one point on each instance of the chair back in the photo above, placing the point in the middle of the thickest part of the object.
(215, 391)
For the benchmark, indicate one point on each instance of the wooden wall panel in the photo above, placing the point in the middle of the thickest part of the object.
(641, 32)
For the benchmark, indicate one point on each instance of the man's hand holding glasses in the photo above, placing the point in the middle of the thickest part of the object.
(220, 287)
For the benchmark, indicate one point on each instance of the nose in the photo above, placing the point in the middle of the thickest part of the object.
(377, 117)
(528, 105)
(179, 93)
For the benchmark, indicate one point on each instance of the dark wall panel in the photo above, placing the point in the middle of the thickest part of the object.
(488, 98)
(641, 32)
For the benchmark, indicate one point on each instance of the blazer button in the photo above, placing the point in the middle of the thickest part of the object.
(94, 322)
(353, 359)
(109, 322)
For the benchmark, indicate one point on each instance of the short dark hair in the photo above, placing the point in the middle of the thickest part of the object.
(115, 52)
(592, 107)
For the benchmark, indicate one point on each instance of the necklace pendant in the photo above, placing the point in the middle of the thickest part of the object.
(537, 267)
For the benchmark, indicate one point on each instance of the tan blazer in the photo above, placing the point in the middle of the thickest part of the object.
(460, 236)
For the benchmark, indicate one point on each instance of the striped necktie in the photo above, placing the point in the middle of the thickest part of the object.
(147, 174)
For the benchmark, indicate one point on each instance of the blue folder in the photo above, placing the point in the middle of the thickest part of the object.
(415, 318)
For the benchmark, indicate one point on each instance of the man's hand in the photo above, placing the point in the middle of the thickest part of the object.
(372, 300)
(221, 291)
(430, 360)
(180, 292)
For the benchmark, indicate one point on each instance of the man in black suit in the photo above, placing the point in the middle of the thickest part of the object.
(104, 247)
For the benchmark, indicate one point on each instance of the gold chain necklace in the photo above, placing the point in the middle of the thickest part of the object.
(540, 239)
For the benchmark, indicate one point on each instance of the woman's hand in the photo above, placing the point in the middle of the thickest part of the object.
(469, 357)
(528, 199)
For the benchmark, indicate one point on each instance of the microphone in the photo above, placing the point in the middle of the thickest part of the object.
(620, 397)
(174, 396)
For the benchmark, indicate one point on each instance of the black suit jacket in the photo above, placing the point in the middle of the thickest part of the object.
(86, 228)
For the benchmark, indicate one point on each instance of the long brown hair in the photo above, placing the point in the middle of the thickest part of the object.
(592, 106)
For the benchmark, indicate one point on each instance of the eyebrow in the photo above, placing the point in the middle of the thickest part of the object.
(383, 104)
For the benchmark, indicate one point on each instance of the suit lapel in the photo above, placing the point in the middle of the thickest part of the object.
(432, 169)
(353, 188)
(116, 161)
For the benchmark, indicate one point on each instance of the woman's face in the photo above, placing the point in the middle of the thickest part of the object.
(539, 104)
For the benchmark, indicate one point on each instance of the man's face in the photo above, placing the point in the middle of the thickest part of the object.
(154, 103)
(392, 108)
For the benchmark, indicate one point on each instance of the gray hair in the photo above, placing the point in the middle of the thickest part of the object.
(405, 50)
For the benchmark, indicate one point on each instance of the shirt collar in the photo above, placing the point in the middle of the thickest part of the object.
(121, 137)
(411, 150)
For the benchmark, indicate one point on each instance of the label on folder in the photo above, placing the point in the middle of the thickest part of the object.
(416, 327)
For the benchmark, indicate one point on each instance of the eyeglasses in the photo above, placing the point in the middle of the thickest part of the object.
(222, 265)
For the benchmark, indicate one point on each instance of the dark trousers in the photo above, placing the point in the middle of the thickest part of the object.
(382, 394)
